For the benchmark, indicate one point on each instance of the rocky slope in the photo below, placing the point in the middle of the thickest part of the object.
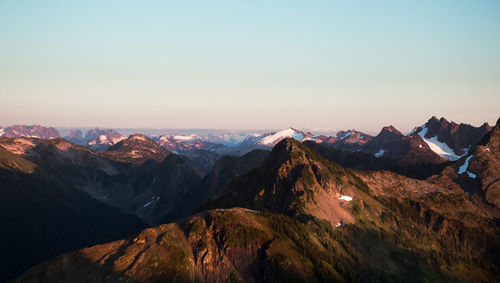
(43, 217)
(477, 173)
(386, 227)
(151, 187)
(292, 180)
(228, 168)
(404, 150)
(368, 162)
(202, 159)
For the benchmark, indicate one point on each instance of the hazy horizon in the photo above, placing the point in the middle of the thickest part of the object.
(249, 65)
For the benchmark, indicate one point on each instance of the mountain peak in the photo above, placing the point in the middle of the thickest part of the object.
(294, 180)
(391, 129)
(434, 119)
(275, 138)
(139, 137)
(137, 149)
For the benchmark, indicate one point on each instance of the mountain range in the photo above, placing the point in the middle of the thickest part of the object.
(282, 206)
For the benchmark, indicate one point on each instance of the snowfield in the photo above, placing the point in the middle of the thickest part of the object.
(439, 147)
(463, 168)
(276, 137)
(184, 138)
(379, 153)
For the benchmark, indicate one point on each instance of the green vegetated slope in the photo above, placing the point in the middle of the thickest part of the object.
(394, 229)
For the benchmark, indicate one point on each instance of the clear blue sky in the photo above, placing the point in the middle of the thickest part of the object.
(248, 64)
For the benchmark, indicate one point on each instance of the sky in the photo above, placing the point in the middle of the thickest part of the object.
(249, 64)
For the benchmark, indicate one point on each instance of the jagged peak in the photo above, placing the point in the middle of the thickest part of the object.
(391, 129)
(443, 120)
(434, 119)
(286, 146)
(289, 145)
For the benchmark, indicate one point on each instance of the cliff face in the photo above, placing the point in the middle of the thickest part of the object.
(216, 246)
(484, 166)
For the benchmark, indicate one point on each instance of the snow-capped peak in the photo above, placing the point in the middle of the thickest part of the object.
(273, 139)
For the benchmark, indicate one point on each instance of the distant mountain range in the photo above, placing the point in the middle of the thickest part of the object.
(437, 141)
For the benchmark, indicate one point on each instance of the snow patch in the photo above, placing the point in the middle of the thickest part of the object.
(472, 175)
(439, 147)
(184, 138)
(463, 169)
(103, 139)
(346, 135)
(151, 201)
(379, 153)
(346, 198)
